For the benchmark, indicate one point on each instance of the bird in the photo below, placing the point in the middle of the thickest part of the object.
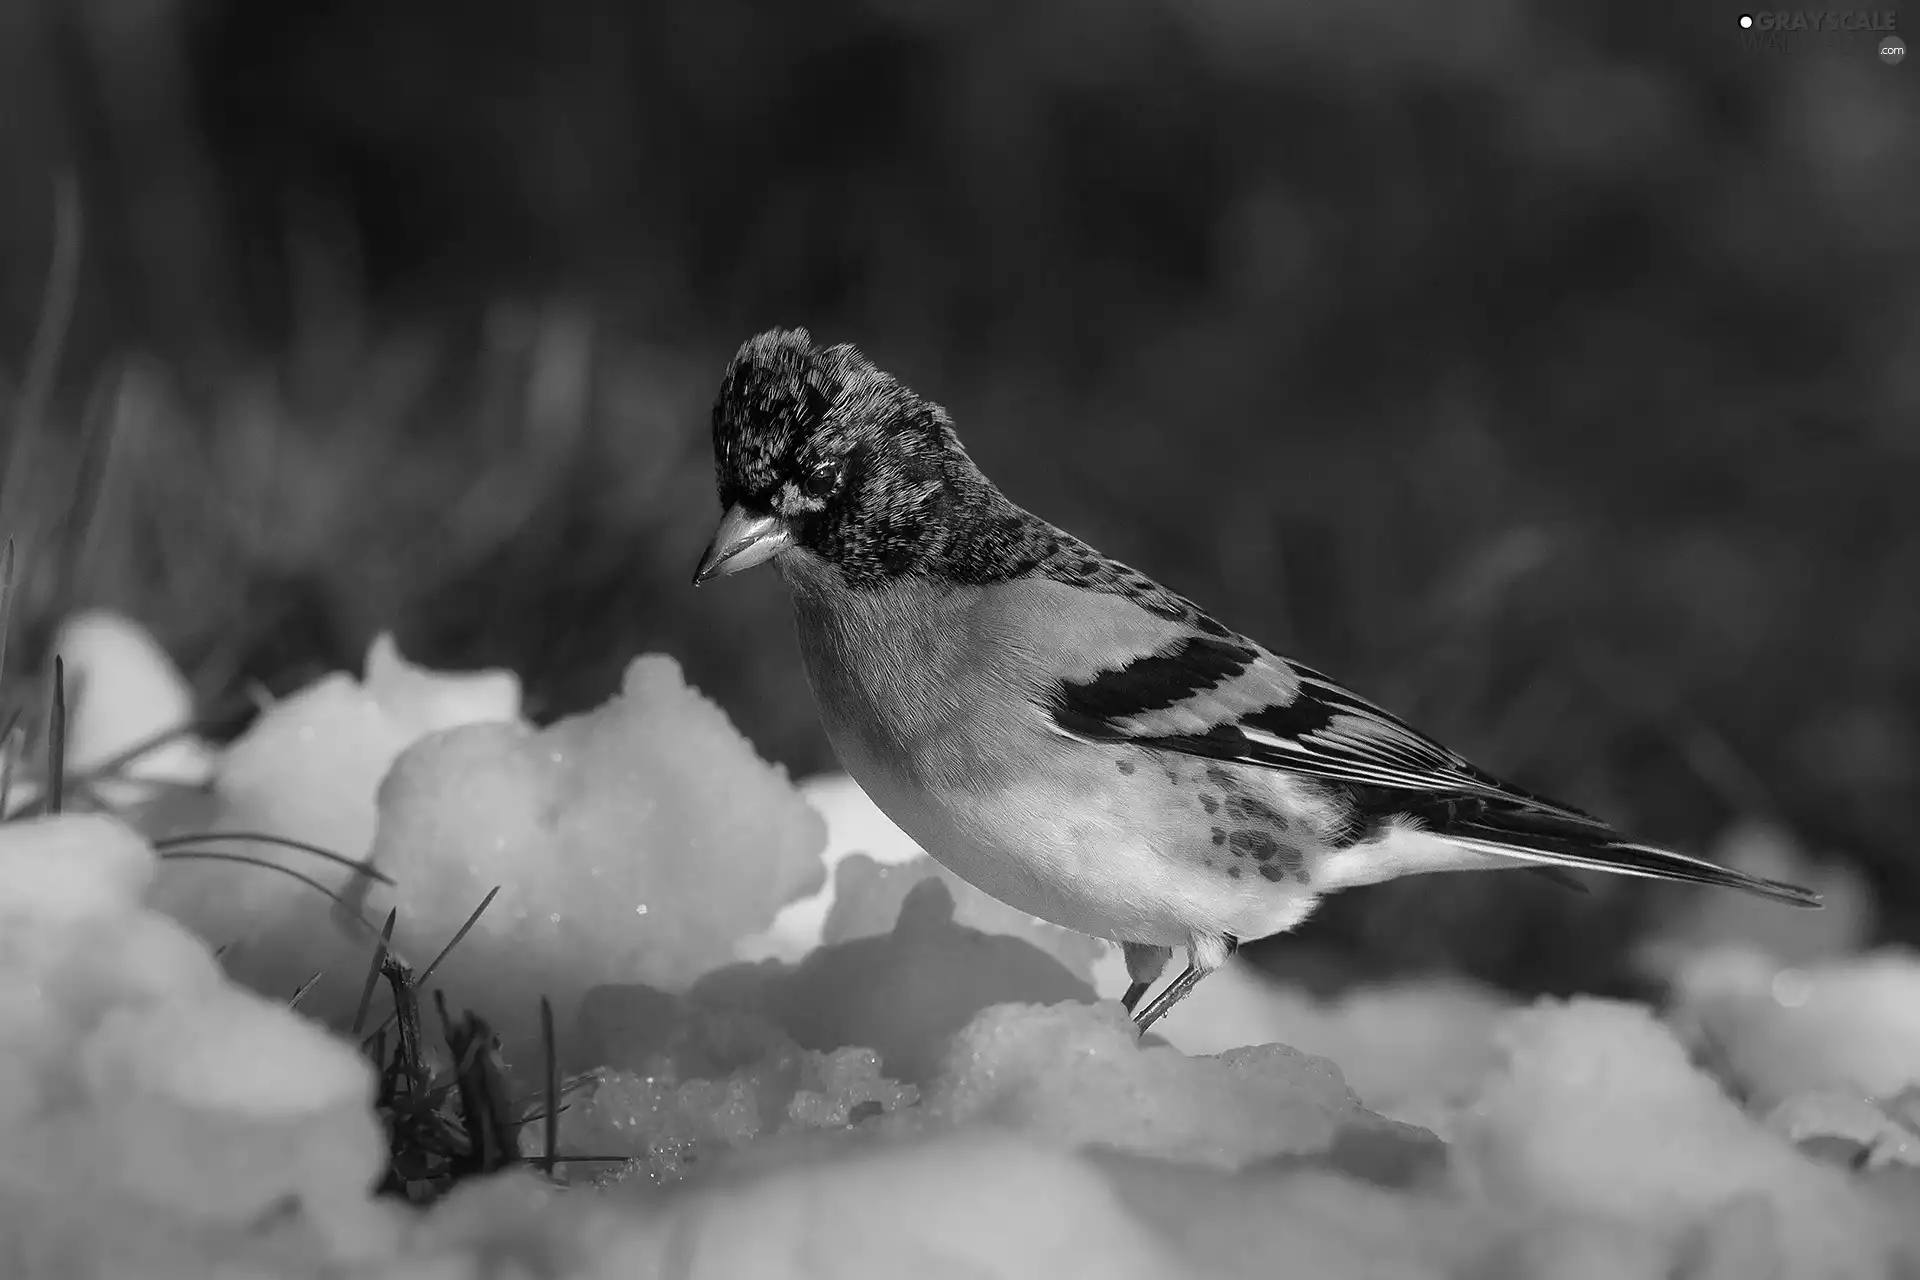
(1063, 732)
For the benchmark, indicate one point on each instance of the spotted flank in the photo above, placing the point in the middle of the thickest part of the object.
(1236, 830)
(1258, 839)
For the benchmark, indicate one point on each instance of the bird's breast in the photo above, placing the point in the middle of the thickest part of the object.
(905, 687)
(934, 705)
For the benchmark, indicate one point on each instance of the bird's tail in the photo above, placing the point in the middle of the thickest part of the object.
(1540, 841)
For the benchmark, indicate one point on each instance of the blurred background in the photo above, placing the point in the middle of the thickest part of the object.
(1547, 370)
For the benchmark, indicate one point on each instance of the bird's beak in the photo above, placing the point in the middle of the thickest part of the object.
(742, 541)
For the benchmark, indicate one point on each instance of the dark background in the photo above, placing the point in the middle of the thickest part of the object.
(1547, 370)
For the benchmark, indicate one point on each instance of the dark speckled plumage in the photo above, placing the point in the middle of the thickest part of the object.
(900, 482)
(911, 502)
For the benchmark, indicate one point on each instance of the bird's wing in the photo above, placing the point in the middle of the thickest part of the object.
(1139, 665)
(1225, 698)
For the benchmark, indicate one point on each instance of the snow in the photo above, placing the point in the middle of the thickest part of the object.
(1596, 1107)
(1851, 1025)
(63, 872)
(1857, 1130)
(138, 1089)
(311, 765)
(868, 897)
(904, 994)
(979, 1206)
(309, 769)
(854, 825)
(668, 1118)
(821, 1054)
(637, 843)
(123, 691)
(1078, 1075)
(987, 1207)
(1415, 1050)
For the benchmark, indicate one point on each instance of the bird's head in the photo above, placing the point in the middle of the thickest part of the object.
(820, 456)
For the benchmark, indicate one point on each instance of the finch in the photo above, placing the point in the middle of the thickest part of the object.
(1067, 734)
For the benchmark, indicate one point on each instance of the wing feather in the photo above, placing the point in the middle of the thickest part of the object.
(1182, 683)
(1227, 699)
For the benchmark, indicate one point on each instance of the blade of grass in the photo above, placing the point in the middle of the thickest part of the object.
(446, 1022)
(286, 842)
(207, 725)
(373, 973)
(6, 602)
(49, 330)
(551, 1125)
(80, 523)
(121, 759)
(57, 737)
(107, 413)
(569, 1084)
(305, 987)
(10, 748)
(82, 789)
(452, 942)
(460, 933)
(412, 1050)
(220, 855)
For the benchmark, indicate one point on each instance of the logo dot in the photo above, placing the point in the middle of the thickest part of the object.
(1746, 19)
(1892, 50)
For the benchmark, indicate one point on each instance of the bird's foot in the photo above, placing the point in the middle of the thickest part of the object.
(1201, 961)
(1145, 964)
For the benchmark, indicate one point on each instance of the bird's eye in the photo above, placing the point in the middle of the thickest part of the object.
(822, 480)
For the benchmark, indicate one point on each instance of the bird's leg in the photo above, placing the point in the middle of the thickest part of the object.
(1144, 966)
(1202, 959)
